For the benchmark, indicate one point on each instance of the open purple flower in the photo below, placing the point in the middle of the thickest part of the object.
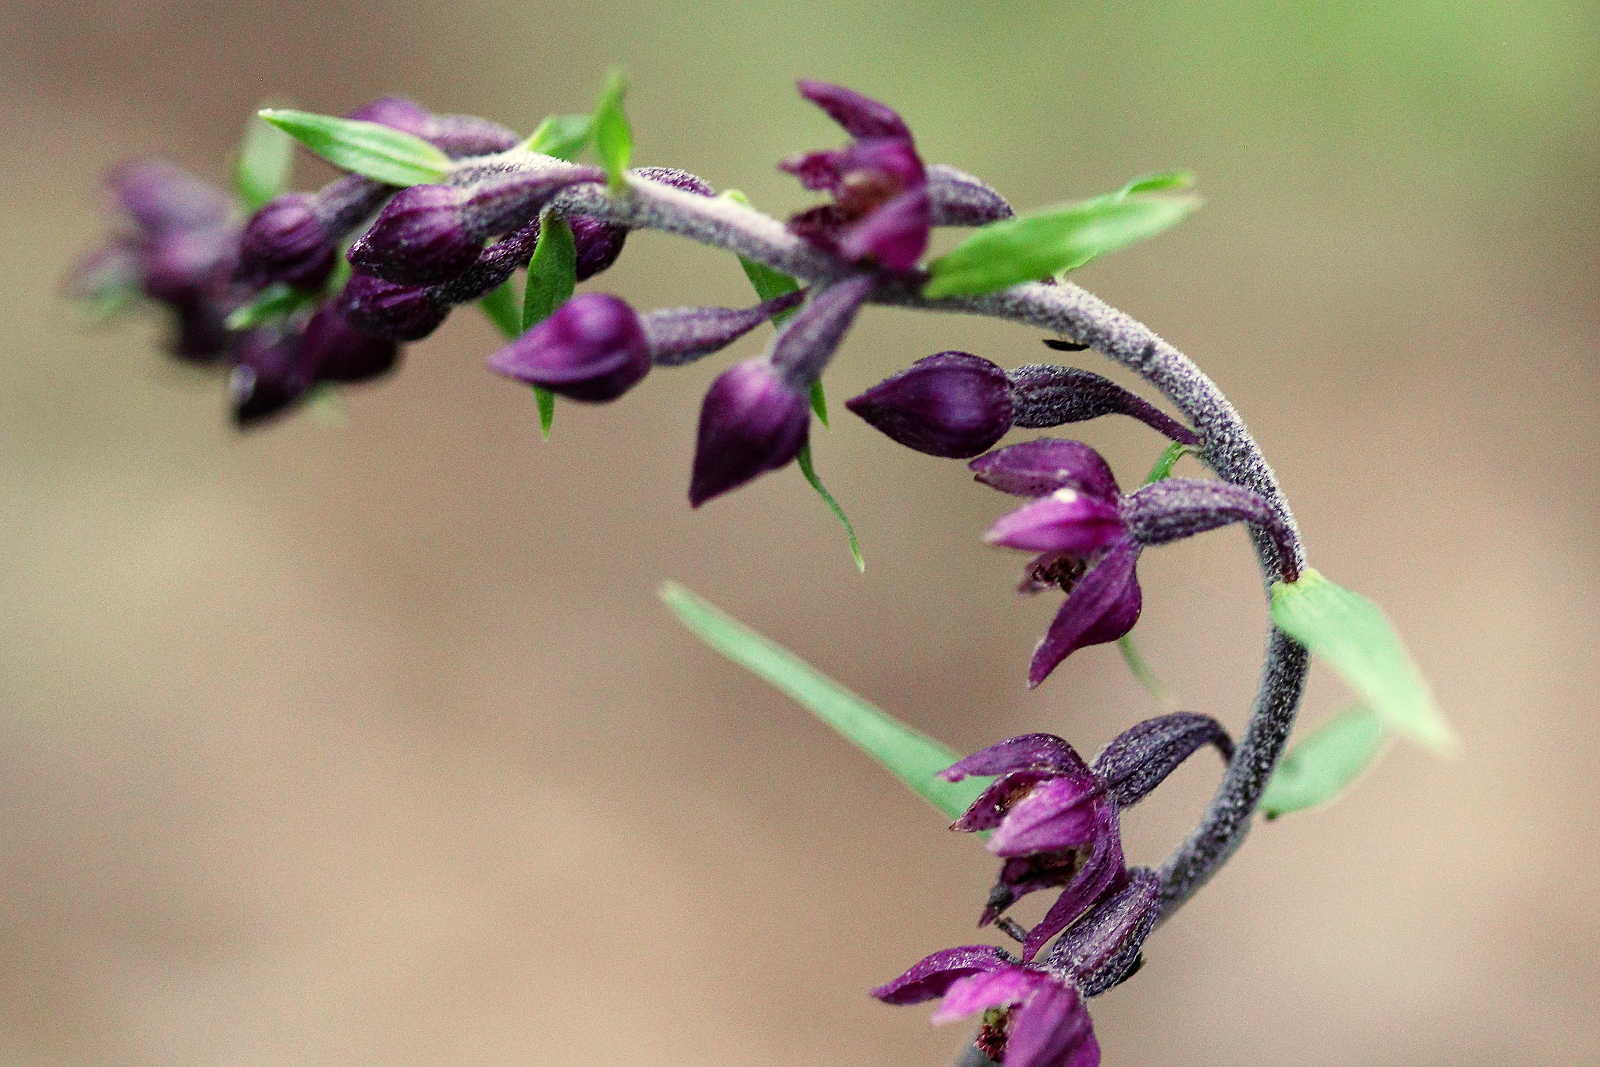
(881, 212)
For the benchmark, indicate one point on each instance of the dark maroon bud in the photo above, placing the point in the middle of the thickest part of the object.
(1046, 395)
(501, 202)
(952, 404)
(270, 377)
(593, 348)
(420, 237)
(598, 244)
(1141, 757)
(160, 197)
(460, 136)
(202, 335)
(184, 266)
(335, 350)
(285, 242)
(753, 421)
(395, 112)
(384, 309)
(959, 199)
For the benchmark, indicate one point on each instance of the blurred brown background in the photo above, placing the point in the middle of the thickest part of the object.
(371, 745)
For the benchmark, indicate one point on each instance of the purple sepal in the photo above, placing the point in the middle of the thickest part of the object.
(959, 199)
(419, 238)
(598, 244)
(1045, 752)
(1140, 758)
(1055, 814)
(682, 335)
(593, 348)
(990, 808)
(1039, 468)
(1102, 607)
(952, 404)
(894, 235)
(932, 976)
(1096, 872)
(1066, 521)
(818, 171)
(808, 340)
(1046, 395)
(161, 197)
(753, 421)
(402, 312)
(1102, 948)
(285, 242)
(1175, 508)
(859, 115)
(335, 350)
(270, 376)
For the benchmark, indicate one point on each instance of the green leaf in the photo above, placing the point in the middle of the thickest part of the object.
(1143, 673)
(1321, 766)
(262, 170)
(613, 137)
(819, 402)
(274, 302)
(1351, 633)
(562, 136)
(1169, 459)
(1157, 183)
(767, 282)
(810, 471)
(1034, 246)
(504, 310)
(367, 148)
(552, 273)
(546, 400)
(913, 757)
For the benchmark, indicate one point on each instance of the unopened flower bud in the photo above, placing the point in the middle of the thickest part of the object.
(593, 348)
(285, 242)
(753, 421)
(420, 237)
(335, 350)
(598, 244)
(161, 197)
(270, 376)
(952, 404)
(395, 112)
(402, 312)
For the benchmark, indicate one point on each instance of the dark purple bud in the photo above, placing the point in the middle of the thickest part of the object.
(335, 350)
(1067, 521)
(506, 201)
(1101, 949)
(859, 115)
(753, 421)
(270, 376)
(682, 335)
(202, 334)
(185, 266)
(457, 136)
(952, 404)
(1047, 395)
(1175, 508)
(894, 236)
(161, 197)
(384, 309)
(1102, 606)
(1039, 468)
(419, 238)
(959, 199)
(598, 244)
(593, 348)
(395, 112)
(1141, 757)
(810, 338)
(285, 242)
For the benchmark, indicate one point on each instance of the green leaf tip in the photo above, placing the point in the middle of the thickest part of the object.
(613, 137)
(1043, 243)
(803, 459)
(546, 401)
(552, 272)
(1169, 459)
(561, 136)
(1323, 765)
(913, 757)
(365, 148)
(276, 301)
(819, 403)
(1352, 634)
(504, 310)
(261, 171)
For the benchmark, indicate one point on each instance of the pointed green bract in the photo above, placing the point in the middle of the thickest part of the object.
(1042, 243)
(819, 403)
(546, 401)
(366, 148)
(261, 173)
(913, 757)
(561, 136)
(275, 301)
(1320, 767)
(767, 282)
(1351, 633)
(810, 471)
(1169, 459)
(553, 271)
(613, 137)
(504, 310)
(1143, 673)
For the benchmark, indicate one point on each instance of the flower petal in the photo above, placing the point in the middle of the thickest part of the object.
(1039, 468)
(1065, 521)
(859, 115)
(932, 976)
(1099, 873)
(1042, 751)
(992, 804)
(1005, 985)
(816, 170)
(1102, 607)
(1052, 1030)
(1057, 814)
(895, 235)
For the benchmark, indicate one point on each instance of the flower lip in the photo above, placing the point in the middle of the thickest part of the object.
(1056, 814)
(1065, 521)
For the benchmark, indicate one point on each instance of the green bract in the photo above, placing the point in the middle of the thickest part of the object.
(1351, 633)
(366, 148)
(810, 471)
(503, 310)
(552, 275)
(561, 136)
(613, 137)
(1329, 759)
(914, 758)
(1034, 246)
(275, 301)
(1169, 459)
(261, 172)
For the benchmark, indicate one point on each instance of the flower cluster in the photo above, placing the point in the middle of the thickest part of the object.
(1053, 820)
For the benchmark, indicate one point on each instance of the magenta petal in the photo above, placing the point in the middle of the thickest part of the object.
(1057, 814)
(816, 170)
(1099, 873)
(992, 804)
(933, 975)
(895, 235)
(860, 116)
(1008, 984)
(1039, 468)
(1052, 1030)
(1042, 751)
(1065, 521)
(893, 157)
(1102, 607)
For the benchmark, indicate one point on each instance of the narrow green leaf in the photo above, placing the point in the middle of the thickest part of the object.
(1169, 459)
(546, 400)
(562, 136)
(265, 159)
(1033, 246)
(552, 273)
(1320, 767)
(1157, 183)
(819, 402)
(1351, 633)
(810, 471)
(274, 302)
(504, 310)
(913, 757)
(613, 137)
(1143, 673)
(378, 152)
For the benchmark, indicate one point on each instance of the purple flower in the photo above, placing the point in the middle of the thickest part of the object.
(753, 420)
(882, 212)
(593, 348)
(1088, 535)
(1033, 1017)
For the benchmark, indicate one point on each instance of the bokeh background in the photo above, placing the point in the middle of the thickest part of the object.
(371, 744)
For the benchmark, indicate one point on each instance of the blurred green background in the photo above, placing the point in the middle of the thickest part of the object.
(371, 745)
